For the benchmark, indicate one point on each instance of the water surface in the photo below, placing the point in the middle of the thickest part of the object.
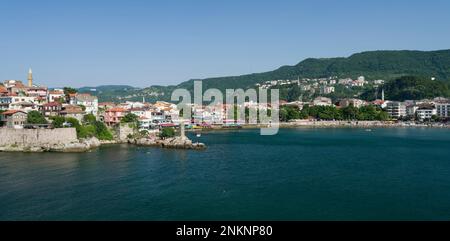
(299, 174)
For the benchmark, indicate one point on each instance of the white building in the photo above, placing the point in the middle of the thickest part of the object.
(322, 101)
(425, 112)
(353, 102)
(327, 90)
(396, 109)
(55, 95)
(443, 110)
(89, 101)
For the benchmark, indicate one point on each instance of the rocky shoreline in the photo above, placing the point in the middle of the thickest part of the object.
(173, 143)
(81, 145)
(84, 145)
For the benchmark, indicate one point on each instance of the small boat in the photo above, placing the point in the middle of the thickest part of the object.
(368, 130)
(199, 135)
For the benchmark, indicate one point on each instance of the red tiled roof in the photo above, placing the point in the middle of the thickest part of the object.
(12, 112)
(117, 110)
(52, 104)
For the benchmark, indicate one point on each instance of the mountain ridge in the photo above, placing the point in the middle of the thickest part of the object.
(379, 64)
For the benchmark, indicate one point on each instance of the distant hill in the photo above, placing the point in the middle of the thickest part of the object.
(386, 65)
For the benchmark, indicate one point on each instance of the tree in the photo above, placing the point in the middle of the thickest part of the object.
(73, 122)
(36, 117)
(102, 131)
(58, 121)
(83, 108)
(86, 131)
(288, 113)
(350, 112)
(68, 91)
(89, 119)
(129, 118)
(167, 132)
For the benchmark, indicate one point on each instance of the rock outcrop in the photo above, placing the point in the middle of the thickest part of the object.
(174, 142)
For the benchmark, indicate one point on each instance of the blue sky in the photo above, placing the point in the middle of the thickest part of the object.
(142, 42)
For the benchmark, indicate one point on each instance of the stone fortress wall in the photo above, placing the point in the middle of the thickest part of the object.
(36, 137)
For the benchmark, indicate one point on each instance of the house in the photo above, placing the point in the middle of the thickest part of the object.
(322, 101)
(72, 99)
(351, 102)
(3, 91)
(146, 124)
(51, 109)
(55, 95)
(426, 112)
(114, 115)
(5, 101)
(37, 91)
(327, 90)
(13, 119)
(396, 109)
(106, 105)
(380, 103)
(15, 86)
(411, 109)
(139, 112)
(89, 101)
(23, 106)
(73, 111)
(443, 110)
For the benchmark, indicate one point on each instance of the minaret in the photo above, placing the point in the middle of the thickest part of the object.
(30, 78)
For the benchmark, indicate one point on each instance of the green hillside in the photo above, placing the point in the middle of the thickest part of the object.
(387, 65)
(374, 65)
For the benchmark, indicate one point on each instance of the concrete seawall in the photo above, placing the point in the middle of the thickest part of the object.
(37, 137)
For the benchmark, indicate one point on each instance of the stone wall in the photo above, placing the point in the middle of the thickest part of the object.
(36, 137)
(123, 131)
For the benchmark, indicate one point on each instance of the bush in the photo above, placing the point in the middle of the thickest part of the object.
(167, 132)
(36, 117)
(58, 121)
(73, 122)
(129, 118)
(86, 131)
(89, 119)
(102, 131)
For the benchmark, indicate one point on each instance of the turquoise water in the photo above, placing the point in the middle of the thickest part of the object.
(304, 174)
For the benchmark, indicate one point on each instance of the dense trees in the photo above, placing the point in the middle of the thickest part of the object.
(288, 113)
(90, 128)
(411, 88)
(36, 117)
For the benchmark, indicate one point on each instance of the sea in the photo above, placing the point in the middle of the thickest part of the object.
(298, 174)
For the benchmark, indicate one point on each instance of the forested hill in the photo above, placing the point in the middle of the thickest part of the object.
(373, 65)
(387, 65)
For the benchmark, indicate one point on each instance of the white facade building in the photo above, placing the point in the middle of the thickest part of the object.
(396, 109)
(443, 110)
